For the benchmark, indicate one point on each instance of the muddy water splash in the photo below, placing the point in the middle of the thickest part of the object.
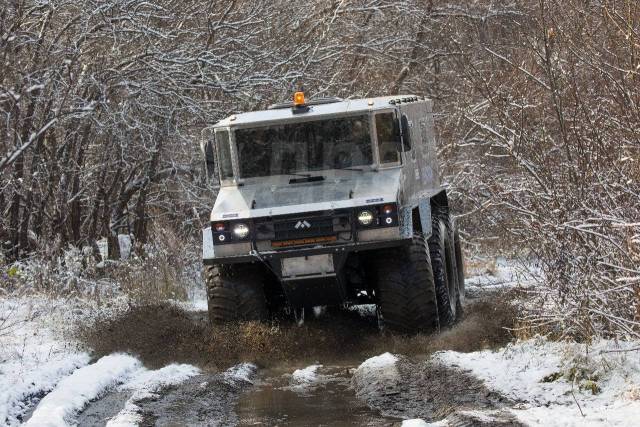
(161, 334)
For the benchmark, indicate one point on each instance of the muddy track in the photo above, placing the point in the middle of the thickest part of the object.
(432, 392)
(164, 334)
(203, 400)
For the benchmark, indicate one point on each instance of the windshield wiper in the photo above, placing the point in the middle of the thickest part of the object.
(306, 175)
(350, 168)
(307, 178)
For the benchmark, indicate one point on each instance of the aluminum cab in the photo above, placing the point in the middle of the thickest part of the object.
(305, 228)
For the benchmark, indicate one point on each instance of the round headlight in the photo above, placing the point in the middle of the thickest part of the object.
(240, 230)
(365, 217)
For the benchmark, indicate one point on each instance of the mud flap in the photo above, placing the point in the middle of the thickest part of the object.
(424, 208)
(207, 244)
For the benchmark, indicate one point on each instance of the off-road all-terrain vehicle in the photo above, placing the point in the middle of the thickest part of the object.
(331, 202)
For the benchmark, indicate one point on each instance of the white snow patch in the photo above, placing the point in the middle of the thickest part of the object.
(243, 372)
(305, 375)
(417, 422)
(519, 371)
(306, 379)
(376, 374)
(145, 385)
(74, 392)
(384, 361)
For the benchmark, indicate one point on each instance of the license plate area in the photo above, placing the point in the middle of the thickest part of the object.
(307, 266)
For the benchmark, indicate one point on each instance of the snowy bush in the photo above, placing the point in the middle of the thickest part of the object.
(168, 268)
(550, 162)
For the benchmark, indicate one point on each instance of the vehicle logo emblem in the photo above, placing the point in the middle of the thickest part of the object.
(302, 224)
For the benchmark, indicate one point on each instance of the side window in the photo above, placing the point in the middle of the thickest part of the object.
(224, 154)
(387, 139)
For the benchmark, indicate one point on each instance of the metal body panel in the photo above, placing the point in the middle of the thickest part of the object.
(379, 234)
(272, 196)
(420, 170)
(306, 251)
(349, 106)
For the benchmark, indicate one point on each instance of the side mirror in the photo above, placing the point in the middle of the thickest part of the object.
(397, 134)
(210, 158)
(207, 146)
(401, 130)
(406, 133)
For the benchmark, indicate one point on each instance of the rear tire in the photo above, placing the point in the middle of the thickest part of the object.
(457, 249)
(235, 293)
(405, 290)
(444, 271)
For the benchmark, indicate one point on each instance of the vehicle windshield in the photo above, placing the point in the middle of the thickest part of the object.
(297, 148)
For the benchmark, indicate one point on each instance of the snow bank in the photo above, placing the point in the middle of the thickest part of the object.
(19, 389)
(32, 357)
(548, 378)
(376, 376)
(146, 385)
(72, 394)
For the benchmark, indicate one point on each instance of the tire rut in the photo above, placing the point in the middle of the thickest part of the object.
(433, 392)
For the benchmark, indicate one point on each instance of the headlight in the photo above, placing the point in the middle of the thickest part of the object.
(365, 217)
(240, 230)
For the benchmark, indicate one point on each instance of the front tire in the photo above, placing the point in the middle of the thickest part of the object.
(405, 289)
(235, 293)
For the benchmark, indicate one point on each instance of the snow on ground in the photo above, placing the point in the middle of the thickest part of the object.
(145, 385)
(243, 372)
(561, 384)
(19, 389)
(306, 375)
(33, 356)
(74, 392)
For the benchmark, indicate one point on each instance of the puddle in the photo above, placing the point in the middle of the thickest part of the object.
(326, 401)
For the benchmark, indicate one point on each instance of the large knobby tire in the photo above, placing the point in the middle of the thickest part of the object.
(459, 258)
(404, 288)
(444, 273)
(235, 293)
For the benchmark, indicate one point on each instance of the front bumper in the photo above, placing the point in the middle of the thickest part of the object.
(246, 252)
